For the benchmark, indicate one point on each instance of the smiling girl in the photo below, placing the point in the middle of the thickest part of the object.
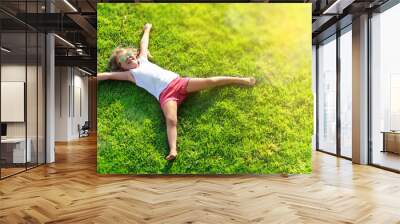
(130, 64)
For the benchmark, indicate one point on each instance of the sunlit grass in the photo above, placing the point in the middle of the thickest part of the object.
(233, 130)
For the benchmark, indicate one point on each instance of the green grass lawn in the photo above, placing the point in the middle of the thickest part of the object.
(232, 130)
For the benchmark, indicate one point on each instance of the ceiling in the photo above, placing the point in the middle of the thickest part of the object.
(15, 42)
(331, 15)
(74, 22)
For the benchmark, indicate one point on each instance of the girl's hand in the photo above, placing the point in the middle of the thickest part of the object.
(147, 26)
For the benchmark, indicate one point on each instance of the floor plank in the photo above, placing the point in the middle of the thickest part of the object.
(70, 191)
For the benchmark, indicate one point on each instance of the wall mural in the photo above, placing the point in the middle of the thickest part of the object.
(204, 88)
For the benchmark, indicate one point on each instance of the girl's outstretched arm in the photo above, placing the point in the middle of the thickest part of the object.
(122, 76)
(144, 42)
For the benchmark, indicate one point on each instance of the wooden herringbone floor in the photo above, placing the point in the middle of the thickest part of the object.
(70, 191)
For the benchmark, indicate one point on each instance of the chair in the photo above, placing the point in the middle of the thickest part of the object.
(84, 130)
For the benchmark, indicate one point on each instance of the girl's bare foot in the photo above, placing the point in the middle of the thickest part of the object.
(251, 81)
(172, 155)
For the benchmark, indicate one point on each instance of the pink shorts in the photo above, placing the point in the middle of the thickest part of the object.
(176, 90)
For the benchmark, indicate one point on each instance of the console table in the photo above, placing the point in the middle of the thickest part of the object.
(391, 141)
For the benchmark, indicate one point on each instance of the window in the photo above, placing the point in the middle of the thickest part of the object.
(385, 88)
(346, 92)
(327, 95)
(23, 77)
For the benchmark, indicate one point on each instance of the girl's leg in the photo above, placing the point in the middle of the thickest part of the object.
(197, 84)
(170, 114)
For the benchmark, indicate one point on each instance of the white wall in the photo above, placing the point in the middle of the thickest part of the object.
(71, 93)
(62, 81)
(34, 125)
(16, 72)
(80, 100)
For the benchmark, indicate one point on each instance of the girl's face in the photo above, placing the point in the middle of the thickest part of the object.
(128, 60)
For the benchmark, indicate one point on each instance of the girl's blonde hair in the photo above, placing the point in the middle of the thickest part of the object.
(114, 63)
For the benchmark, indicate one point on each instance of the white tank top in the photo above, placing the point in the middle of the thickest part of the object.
(152, 77)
